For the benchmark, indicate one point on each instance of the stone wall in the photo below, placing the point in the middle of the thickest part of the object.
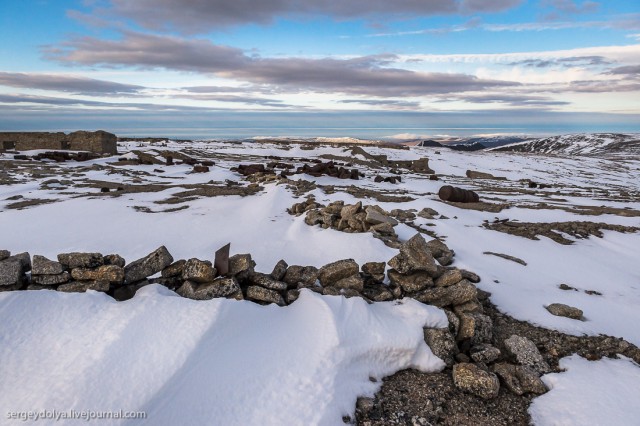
(99, 142)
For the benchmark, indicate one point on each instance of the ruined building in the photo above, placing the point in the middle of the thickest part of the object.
(100, 142)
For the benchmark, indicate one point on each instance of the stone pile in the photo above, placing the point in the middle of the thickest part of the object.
(59, 156)
(421, 271)
(352, 218)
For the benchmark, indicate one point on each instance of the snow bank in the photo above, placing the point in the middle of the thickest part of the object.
(197, 362)
(604, 392)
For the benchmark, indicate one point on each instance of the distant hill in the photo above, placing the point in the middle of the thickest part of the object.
(579, 144)
(471, 144)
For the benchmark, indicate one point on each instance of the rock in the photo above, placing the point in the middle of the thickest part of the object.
(374, 269)
(472, 306)
(4, 254)
(292, 296)
(421, 166)
(415, 256)
(475, 327)
(526, 353)
(221, 259)
(450, 277)
(347, 212)
(264, 280)
(220, 287)
(333, 272)
(377, 293)
(375, 217)
(23, 259)
(428, 213)
(471, 378)
(43, 266)
(198, 271)
(365, 404)
(470, 276)
(109, 273)
(472, 174)
(484, 353)
(410, 282)
(307, 275)
(280, 270)
(456, 294)
(174, 270)
(261, 294)
(519, 379)
(81, 260)
(149, 265)
(11, 272)
(354, 282)
(114, 259)
(561, 310)
(51, 279)
(442, 344)
(169, 282)
(83, 286)
(127, 292)
(383, 229)
(241, 263)
(454, 322)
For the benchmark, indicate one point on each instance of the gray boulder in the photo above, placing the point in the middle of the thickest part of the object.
(11, 272)
(442, 344)
(305, 275)
(220, 287)
(374, 269)
(198, 271)
(411, 282)
(241, 264)
(526, 353)
(114, 259)
(149, 265)
(354, 282)
(280, 270)
(264, 280)
(83, 286)
(375, 217)
(415, 256)
(561, 310)
(484, 353)
(472, 379)
(109, 273)
(450, 277)
(456, 294)
(81, 260)
(47, 280)
(43, 266)
(520, 379)
(4, 254)
(475, 327)
(348, 211)
(261, 294)
(333, 272)
(174, 270)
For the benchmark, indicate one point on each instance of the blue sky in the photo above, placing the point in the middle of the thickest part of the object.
(421, 67)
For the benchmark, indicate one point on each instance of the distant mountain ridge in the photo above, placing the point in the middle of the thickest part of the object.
(579, 144)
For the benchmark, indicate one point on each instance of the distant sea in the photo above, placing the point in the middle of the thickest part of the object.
(362, 125)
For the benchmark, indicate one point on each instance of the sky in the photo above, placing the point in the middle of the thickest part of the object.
(362, 68)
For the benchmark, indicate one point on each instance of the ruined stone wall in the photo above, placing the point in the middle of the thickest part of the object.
(99, 142)
(24, 141)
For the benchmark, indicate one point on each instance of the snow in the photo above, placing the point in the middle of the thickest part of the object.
(596, 393)
(188, 362)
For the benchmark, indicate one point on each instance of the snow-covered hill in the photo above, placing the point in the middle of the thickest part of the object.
(579, 144)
